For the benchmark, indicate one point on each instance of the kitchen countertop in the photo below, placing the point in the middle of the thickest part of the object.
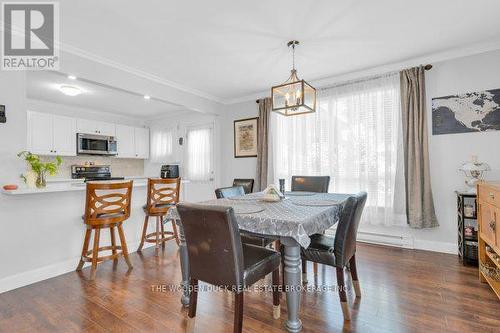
(70, 185)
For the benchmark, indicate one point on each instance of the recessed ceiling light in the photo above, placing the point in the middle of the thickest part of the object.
(70, 90)
(147, 97)
(71, 77)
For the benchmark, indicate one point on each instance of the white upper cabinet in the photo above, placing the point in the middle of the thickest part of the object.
(51, 135)
(125, 141)
(95, 127)
(64, 133)
(56, 135)
(142, 143)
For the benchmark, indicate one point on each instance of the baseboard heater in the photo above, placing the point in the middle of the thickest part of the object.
(380, 239)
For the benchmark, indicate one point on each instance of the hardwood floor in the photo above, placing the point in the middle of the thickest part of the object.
(403, 291)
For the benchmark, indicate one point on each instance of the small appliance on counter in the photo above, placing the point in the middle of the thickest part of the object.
(169, 171)
(92, 172)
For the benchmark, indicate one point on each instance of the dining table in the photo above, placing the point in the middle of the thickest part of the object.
(291, 220)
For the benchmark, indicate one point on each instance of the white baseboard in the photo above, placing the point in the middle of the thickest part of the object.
(451, 248)
(44, 273)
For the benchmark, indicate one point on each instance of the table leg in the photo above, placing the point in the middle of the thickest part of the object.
(184, 264)
(292, 284)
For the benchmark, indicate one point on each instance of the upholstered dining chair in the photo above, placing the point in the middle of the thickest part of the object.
(234, 191)
(318, 184)
(246, 183)
(340, 251)
(310, 183)
(217, 256)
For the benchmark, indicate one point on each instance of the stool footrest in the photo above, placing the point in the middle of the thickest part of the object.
(88, 257)
(151, 238)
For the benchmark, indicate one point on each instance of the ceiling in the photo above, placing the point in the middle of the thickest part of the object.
(229, 49)
(43, 85)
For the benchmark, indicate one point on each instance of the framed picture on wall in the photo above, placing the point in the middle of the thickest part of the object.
(245, 137)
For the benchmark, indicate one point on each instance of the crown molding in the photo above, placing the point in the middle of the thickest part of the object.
(64, 47)
(437, 57)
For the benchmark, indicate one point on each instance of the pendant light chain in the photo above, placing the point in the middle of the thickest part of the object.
(293, 56)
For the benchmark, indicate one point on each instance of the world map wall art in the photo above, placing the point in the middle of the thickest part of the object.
(464, 113)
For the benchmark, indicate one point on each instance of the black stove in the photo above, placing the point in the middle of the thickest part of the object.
(92, 172)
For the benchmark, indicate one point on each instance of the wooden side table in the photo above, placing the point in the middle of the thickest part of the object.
(467, 227)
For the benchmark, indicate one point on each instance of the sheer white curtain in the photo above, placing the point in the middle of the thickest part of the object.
(355, 137)
(199, 153)
(161, 145)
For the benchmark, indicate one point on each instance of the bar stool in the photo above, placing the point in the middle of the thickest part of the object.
(163, 194)
(107, 206)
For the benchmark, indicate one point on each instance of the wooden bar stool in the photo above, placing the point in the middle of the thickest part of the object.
(163, 194)
(107, 206)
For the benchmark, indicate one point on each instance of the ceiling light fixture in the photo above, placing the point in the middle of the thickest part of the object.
(71, 77)
(70, 90)
(147, 97)
(295, 96)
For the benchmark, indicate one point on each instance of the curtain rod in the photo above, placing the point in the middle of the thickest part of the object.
(426, 67)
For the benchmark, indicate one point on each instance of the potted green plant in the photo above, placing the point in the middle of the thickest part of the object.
(39, 168)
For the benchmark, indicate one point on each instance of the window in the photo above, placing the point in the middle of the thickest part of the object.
(199, 153)
(162, 145)
(355, 138)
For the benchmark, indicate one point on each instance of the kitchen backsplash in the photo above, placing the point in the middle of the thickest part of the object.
(120, 167)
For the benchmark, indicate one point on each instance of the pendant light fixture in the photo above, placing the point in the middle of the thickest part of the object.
(295, 96)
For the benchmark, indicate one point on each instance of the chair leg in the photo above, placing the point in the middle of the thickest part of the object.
(176, 235)
(315, 268)
(144, 232)
(193, 297)
(276, 294)
(123, 243)
(95, 253)
(304, 271)
(157, 245)
(162, 226)
(354, 275)
(342, 293)
(86, 241)
(238, 312)
(113, 243)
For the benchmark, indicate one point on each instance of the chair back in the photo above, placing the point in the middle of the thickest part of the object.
(107, 203)
(229, 192)
(214, 244)
(347, 229)
(311, 183)
(162, 195)
(246, 183)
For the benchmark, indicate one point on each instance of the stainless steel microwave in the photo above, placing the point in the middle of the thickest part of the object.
(91, 144)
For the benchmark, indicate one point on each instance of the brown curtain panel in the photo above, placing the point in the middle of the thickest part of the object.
(419, 203)
(263, 143)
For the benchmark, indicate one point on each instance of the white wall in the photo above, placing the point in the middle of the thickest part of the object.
(448, 152)
(236, 167)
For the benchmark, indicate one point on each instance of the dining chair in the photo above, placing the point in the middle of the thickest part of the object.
(107, 206)
(247, 238)
(218, 257)
(162, 195)
(246, 183)
(340, 251)
(310, 183)
(318, 184)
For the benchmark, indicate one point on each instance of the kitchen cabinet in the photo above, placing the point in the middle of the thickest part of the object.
(51, 134)
(141, 142)
(133, 142)
(95, 127)
(125, 141)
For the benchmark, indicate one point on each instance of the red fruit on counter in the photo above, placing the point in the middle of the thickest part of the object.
(10, 187)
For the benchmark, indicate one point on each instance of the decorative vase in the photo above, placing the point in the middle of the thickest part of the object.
(30, 178)
(40, 180)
